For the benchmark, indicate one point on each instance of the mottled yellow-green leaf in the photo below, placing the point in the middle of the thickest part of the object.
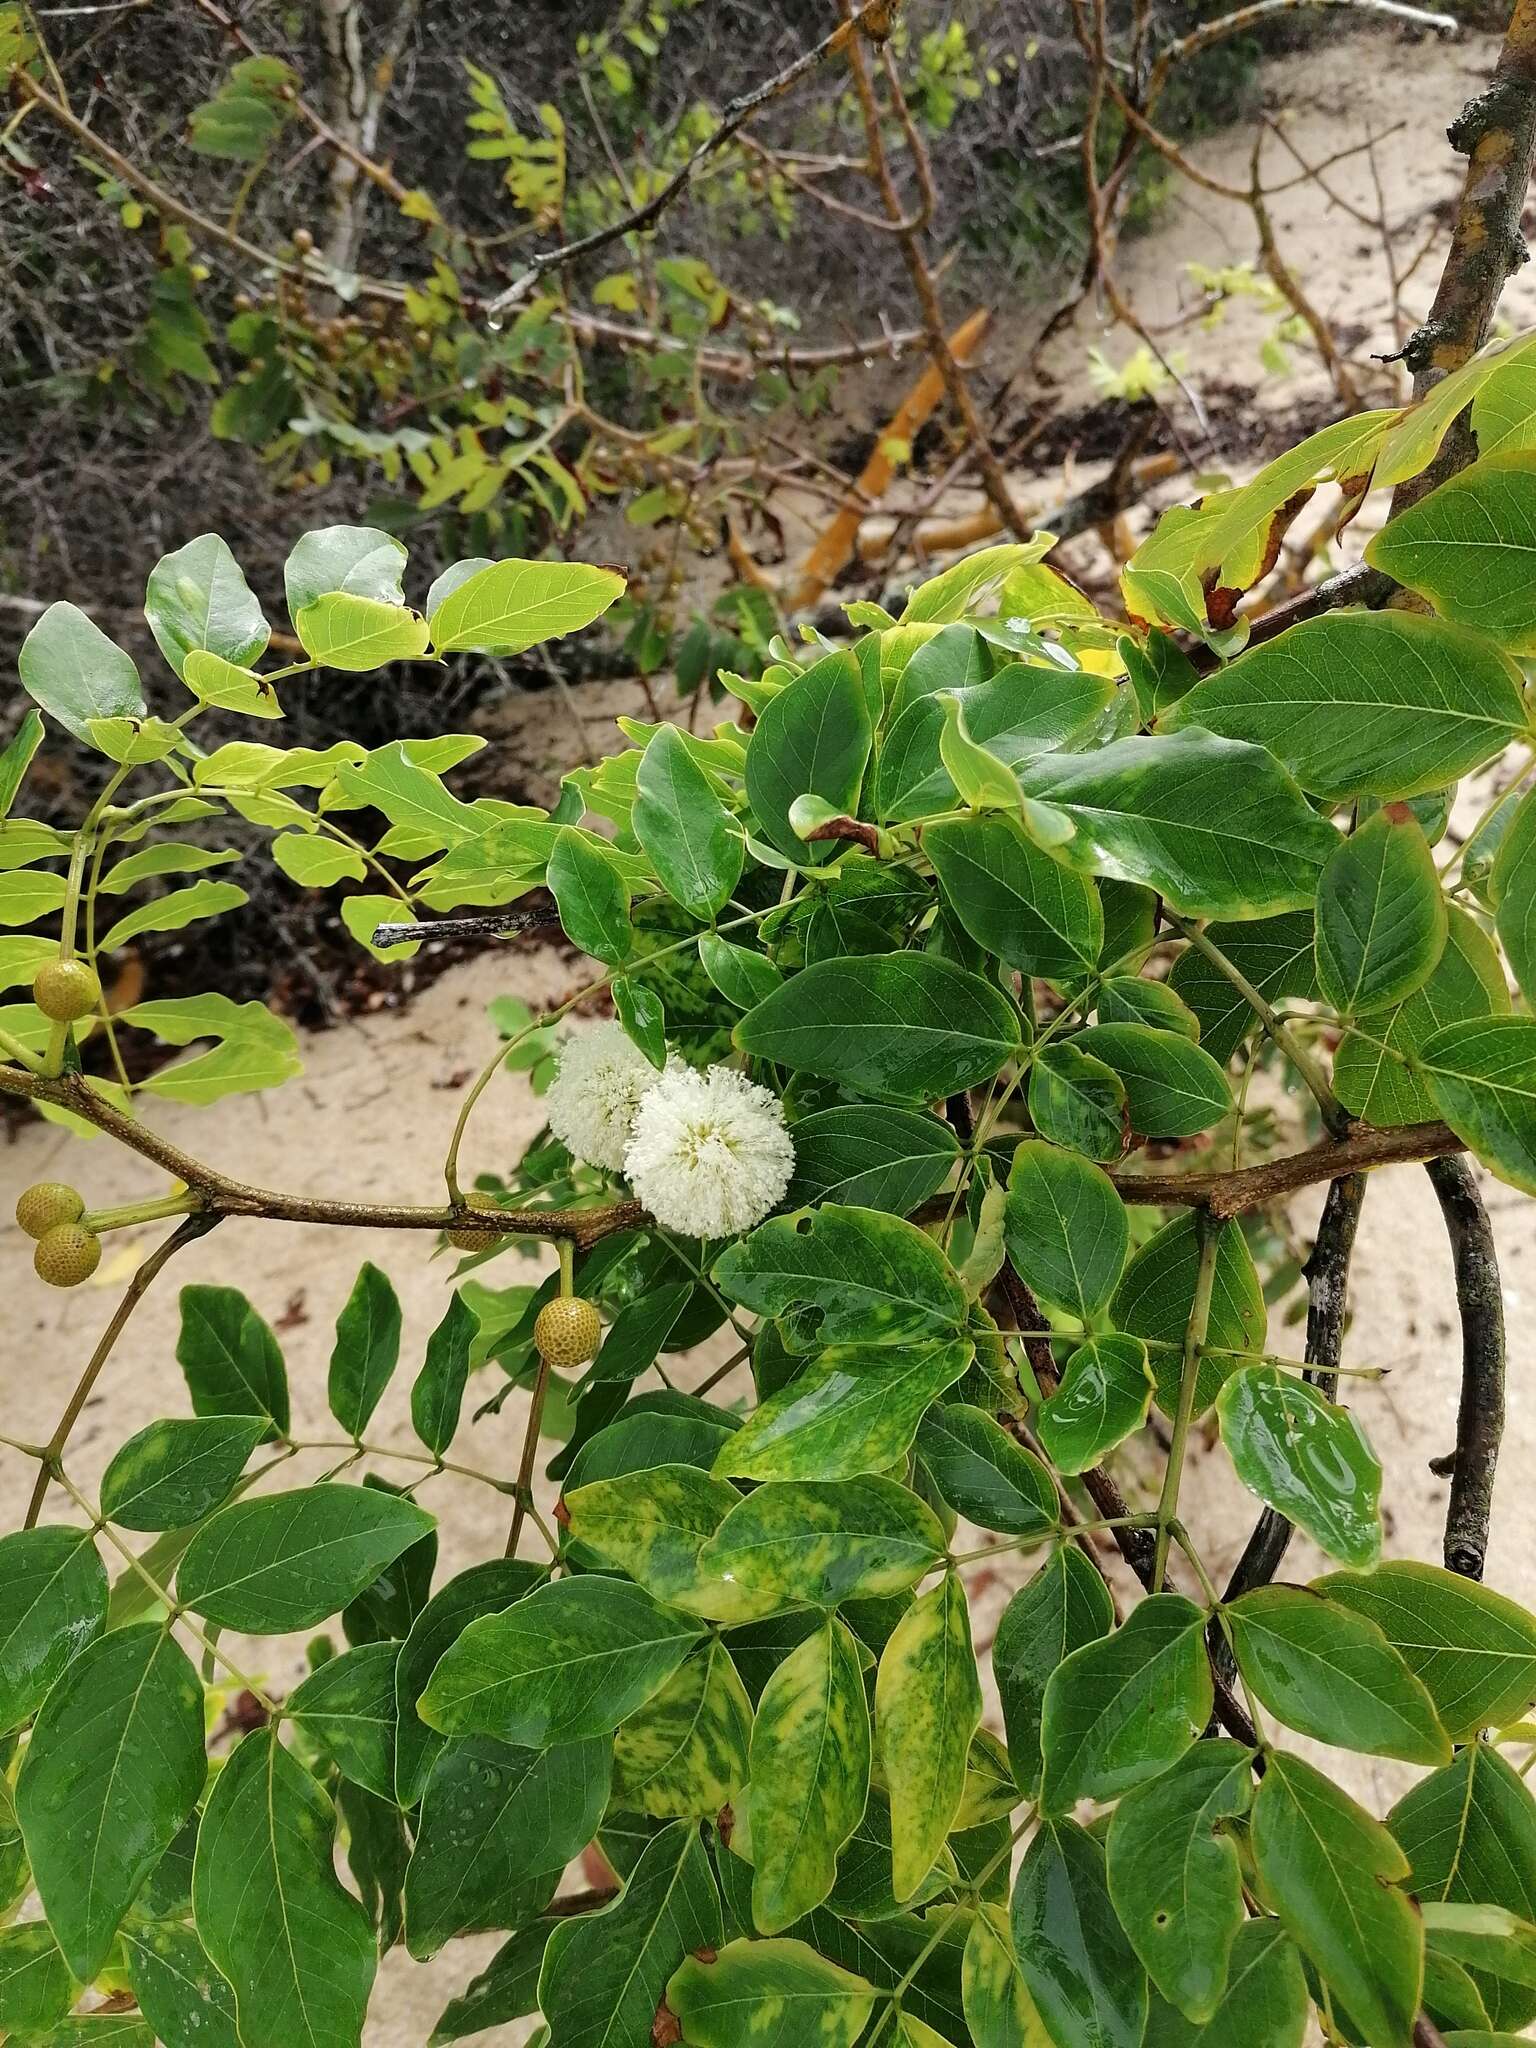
(998, 2009)
(685, 1752)
(927, 1708)
(758, 1994)
(652, 1524)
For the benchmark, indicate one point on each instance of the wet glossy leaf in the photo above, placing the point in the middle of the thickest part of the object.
(868, 1278)
(347, 1706)
(1065, 1606)
(1016, 901)
(1473, 1650)
(743, 977)
(977, 1469)
(809, 1769)
(173, 1473)
(1381, 919)
(487, 1588)
(1154, 1298)
(998, 2009)
(72, 671)
(1362, 703)
(1482, 1077)
(591, 895)
(53, 1602)
(652, 1524)
(1330, 1673)
(1131, 999)
(498, 1826)
(927, 1708)
(294, 1945)
(683, 828)
(366, 1351)
(1121, 1709)
(1175, 1876)
(1076, 1101)
(1305, 1456)
(1216, 826)
(114, 1767)
(904, 1027)
(1066, 1229)
(765, 1991)
(290, 1560)
(605, 1974)
(1173, 1089)
(854, 1409)
(813, 738)
(870, 1158)
(1331, 1873)
(437, 1394)
(1081, 1972)
(685, 1751)
(788, 1544)
(230, 1358)
(180, 1993)
(1266, 2004)
(1104, 1395)
(572, 1659)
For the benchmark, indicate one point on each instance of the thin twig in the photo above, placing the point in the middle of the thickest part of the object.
(1480, 1414)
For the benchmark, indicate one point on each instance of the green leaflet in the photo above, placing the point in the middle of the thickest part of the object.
(1130, 999)
(1154, 1298)
(506, 607)
(798, 1542)
(114, 1766)
(506, 1989)
(869, 1158)
(485, 1588)
(290, 1560)
(854, 1409)
(347, 1706)
(1172, 1088)
(1482, 1077)
(1511, 887)
(498, 1826)
(438, 1392)
(1121, 1709)
(977, 1469)
(36, 1988)
(16, 758)
(572, 1659)
(230, 1358)
(1104, 1395)
(1016, 901)
(685, 1751)
(294, 1945)
(1331, 1673)
(809, 1768)
(355, 634)
(812, 739)
(591, 895)
(1021, 712)
(1274, 953)
(1381, 918)
(903, 1027)
(1065, 1227)
(1467, 983)
(927, 1708)
(1472, 1650)
(1077, 1102)
(652, 1524)
(366, 1351)
(743, 977)
(1065, 1606)
(173, 1473)
(998, 2009)
(1463, 547)
(1174, 1873)
(363, 560)
(198, 597)
(863, 1277)
(53, 1602)
(1469, 1831)
(71, 670)
(1361, 703)
(1082, 1974)
(1266, 2004)
(1213, 824)
(683, 828)
(1331, 1872)
(180, 1993)
(1305, 1456)
(768, 1991)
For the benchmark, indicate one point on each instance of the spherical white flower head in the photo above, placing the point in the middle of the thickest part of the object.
(592, 1100)
(710, 1155)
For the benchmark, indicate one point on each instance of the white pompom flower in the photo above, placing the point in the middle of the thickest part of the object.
(710, 1154)
(596, 1091)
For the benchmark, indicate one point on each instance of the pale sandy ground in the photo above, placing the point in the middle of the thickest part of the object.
(372, 1113)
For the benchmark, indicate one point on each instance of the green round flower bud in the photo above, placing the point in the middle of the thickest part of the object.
(66, 990)
(567, 1331)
